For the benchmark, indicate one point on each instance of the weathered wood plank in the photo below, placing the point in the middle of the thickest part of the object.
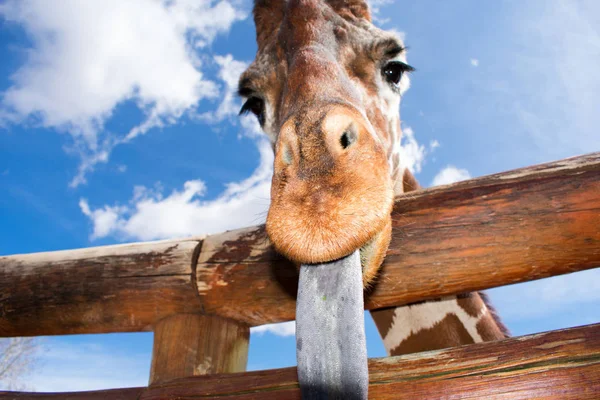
(491, 231)
(512, 227)
(102, 289)
(194, 344)
(555, 365)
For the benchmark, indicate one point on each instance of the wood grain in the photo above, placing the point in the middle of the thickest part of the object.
(194, 344)
(512, 227)
(555, 365)
(102, 289)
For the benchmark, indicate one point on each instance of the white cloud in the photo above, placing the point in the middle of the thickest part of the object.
(474, 62)
(182, 213)
(229, 73)
(89, 56)
(105, 219)
(89, 159)
(434, 144)
(450, 174)
(280, 329)
(412, 154)
(151, 215)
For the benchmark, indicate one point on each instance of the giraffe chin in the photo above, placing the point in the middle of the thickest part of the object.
(372, 253)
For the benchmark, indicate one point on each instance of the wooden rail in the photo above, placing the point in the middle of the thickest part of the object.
(511, 227)
(96, 290)
(555, 365)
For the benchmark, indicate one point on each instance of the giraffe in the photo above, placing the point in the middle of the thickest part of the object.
(326, 86)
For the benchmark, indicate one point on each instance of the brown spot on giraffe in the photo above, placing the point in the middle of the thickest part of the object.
(471, 304)
(449, 332)
(489, 329)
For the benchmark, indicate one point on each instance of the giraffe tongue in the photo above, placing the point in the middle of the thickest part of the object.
(330, 334)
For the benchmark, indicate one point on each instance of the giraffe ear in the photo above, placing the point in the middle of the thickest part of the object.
(353, 8)
(268, 15)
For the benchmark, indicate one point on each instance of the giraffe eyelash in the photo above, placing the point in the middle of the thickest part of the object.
(256, 106)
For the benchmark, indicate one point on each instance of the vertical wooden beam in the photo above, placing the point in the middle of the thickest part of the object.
(195, 344)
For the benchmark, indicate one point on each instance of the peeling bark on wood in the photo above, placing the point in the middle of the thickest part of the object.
(193, 344)
(556, 365)
(512, 227)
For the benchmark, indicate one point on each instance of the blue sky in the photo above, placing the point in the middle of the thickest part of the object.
(118, 123)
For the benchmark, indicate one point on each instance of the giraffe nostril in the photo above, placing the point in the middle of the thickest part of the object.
(348, 137)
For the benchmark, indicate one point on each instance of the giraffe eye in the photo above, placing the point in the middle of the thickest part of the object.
(256, 106)
(394, 70)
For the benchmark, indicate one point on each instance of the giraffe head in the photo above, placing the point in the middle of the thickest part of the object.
(326, 87)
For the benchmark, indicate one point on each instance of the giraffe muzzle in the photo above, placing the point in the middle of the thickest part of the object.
(331, 192)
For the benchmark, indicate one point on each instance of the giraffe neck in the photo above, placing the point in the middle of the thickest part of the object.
(437, 324)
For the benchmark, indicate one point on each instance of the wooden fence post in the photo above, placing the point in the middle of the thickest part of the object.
(195, 344)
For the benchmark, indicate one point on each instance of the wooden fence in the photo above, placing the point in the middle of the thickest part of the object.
(201, 295)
